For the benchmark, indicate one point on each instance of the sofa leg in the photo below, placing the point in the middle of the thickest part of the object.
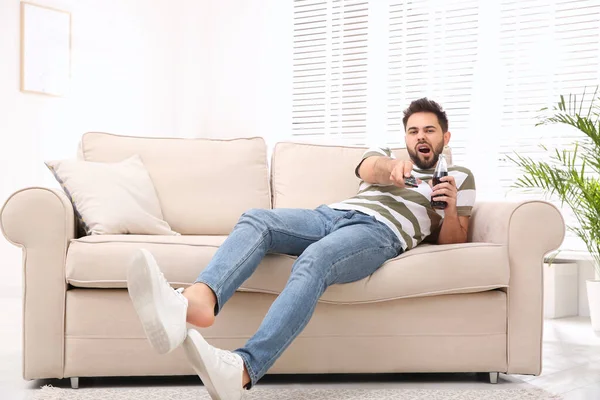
(75, 383)
(494, 377)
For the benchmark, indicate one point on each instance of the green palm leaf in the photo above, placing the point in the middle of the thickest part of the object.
(572, 175)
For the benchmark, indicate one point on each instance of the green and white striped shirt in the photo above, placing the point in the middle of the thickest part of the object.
(408, 212)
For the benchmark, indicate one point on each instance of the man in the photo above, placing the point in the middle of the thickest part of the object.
(335, 244)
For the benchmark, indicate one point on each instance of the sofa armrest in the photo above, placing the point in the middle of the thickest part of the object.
(41, 221)
(530, 229)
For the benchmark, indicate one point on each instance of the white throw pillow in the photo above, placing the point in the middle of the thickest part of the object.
(112, 198)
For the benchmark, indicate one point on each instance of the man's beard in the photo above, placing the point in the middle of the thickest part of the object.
(426, 161)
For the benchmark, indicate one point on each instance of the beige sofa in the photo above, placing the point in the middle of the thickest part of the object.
(473, 307)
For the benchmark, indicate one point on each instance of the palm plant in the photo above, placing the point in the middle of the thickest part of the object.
(573, 175)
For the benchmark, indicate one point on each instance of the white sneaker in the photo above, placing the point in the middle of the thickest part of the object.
(161, 309)
(221, 371)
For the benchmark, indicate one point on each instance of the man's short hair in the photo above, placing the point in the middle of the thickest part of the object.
(426, 105)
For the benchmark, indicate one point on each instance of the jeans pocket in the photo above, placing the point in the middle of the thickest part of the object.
(397, 245)
(395, 242)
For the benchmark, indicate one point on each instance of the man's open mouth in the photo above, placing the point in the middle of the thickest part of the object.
(423, 149)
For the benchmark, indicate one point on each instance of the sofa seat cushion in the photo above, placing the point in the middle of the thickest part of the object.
(101, 262)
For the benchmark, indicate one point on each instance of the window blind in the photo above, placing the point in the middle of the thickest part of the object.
(547, 49)
(330, 70)
(432, 53)
(491, 65)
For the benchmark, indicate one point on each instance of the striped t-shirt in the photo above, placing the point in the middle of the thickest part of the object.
(407, 211)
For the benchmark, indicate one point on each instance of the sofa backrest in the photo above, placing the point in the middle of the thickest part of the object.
(307, 175)
(203, 185)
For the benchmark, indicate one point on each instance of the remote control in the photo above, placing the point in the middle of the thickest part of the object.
(411, 181)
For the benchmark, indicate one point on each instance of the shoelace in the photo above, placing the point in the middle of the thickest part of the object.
(227, 356)
(230, 358)
(162, 275)
(167, 284)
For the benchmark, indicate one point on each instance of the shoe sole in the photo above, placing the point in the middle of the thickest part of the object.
(191, 344)
(140, 284)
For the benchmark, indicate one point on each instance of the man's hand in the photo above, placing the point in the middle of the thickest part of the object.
(446, 190)
(402, 169)
(386, 171)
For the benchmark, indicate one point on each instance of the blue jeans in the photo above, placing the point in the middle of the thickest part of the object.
(334, 246)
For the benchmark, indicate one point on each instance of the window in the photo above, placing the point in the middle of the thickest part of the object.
(491, 65)
(547, 48)
(330, 70)
(433, 51)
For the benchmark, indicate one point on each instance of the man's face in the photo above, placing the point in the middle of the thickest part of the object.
(424, 139)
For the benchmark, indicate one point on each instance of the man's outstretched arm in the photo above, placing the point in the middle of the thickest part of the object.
(385, 171)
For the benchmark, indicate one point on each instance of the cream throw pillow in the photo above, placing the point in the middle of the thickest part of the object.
(112, 198)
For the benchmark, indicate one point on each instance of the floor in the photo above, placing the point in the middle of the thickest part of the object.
(571, 366)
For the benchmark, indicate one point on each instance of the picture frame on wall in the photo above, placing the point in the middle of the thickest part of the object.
(45, 50)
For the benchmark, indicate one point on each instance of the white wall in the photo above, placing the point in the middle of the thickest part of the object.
(236, 73)
(188, 68)
(123, 81)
